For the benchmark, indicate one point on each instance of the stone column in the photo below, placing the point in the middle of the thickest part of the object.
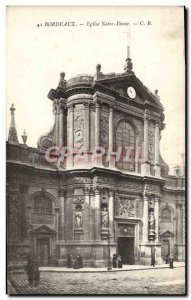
(157, 218)
(98, 160)
(87, 196)
(62, 214)
(137, 151)
(111, 135)
(57, 222)
(97, 124)
(111, 214)
(178, 223)
(29, 211)
(61, 124)
(97, 214)
(179, 232)
(70, 134)
(56, 113)
(87, 214)
(145, 218)
(87, 126)
(92, 213)
(145, 167)
(157, 153)
(23, 191)
(146, 139)
(183, 223)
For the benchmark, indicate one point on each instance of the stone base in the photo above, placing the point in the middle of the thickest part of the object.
(146, 168)
(94, 253)
(100, 263)
(145, 253)
(86, 263)
(157, 170)
(179, 252)
(105, 234)
(112, 161)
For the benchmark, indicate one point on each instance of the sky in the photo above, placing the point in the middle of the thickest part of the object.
(35, 56)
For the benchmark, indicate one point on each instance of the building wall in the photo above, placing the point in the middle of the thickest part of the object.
(91, 239)
(97, 208)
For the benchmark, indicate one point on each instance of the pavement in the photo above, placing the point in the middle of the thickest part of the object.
(96, 270)
(160, 280)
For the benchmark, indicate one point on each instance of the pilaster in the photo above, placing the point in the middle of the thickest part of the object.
(111, 213)
(156, 211)
(145, 218)
(137, 152)
(61, 122)
(111, 135)
(23, 191)
(97, 131)
(97, 214)
(70, 134)
(62, 195)
(157, 153)
(145, 167)
(97, 124)
(56, 115)
(87, 126)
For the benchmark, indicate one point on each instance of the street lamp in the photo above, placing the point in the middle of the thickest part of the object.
(109, 266)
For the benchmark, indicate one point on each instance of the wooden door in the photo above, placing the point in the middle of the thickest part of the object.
(165, 248)
(43, 252)
(126, 250)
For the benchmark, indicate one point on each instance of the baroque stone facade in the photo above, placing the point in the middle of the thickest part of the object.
(98, 206)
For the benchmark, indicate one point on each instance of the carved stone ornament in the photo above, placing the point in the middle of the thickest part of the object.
(78, 129)
(152, 188)
(151, 143)
(80, 180)
(104, 126)
(126, 229)
(126, 208)
(103, 180)
(129, 185)
(78, 200)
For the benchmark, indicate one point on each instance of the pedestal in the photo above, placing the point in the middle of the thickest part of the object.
(145, 168)
(157, 171)
(180, 252)
(146, 250)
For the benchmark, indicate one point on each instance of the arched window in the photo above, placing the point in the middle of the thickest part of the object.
(42, 204)
(166, 215)
(125, 138)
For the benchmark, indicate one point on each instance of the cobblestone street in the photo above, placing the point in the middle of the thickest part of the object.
(152, 281)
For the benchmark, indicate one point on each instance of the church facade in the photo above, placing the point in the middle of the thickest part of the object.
(115, 197)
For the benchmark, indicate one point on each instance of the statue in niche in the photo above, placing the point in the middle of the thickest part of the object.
(105, 217)
(151, 220)
(78, 216)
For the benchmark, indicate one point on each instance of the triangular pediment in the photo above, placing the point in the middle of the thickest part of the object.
(167, 234)
(43, 229)
(121, 83)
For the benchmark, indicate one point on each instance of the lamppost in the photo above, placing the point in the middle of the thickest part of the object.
(109, 266)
